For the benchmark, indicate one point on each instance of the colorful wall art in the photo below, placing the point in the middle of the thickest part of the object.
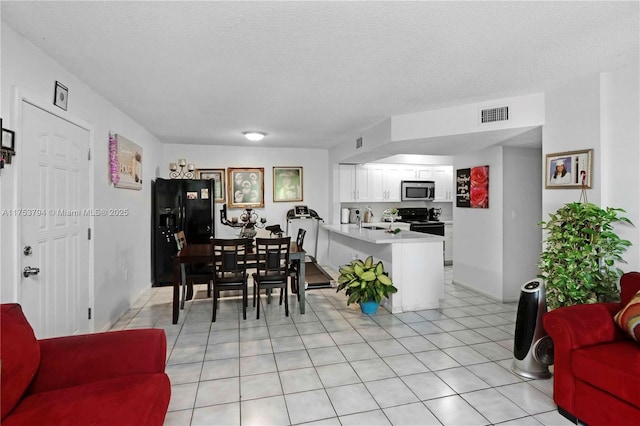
(125, 162)
(472, 187)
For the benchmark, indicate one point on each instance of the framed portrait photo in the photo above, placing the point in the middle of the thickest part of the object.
(571, 169)
(245, 187)
(218, 176)
(287, 184)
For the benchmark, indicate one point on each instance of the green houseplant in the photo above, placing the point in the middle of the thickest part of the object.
(581, 250)
(365, 282)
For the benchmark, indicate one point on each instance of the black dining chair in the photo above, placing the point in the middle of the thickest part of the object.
(272, 269)
(295, 264)
(198, 273)
(230, 270)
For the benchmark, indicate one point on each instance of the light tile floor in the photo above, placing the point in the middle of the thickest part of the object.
(337, 366)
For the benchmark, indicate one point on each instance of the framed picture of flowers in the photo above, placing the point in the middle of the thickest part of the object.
(472, 187)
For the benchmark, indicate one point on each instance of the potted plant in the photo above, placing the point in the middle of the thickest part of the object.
(365, 283)
(581, 250)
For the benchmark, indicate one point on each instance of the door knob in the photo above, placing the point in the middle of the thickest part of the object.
(28, 271)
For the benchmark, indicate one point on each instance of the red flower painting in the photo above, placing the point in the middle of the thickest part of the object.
(480, 187)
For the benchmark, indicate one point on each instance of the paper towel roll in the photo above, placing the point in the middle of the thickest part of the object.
(344, 216)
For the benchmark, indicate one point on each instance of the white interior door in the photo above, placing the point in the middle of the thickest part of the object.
(54, 223)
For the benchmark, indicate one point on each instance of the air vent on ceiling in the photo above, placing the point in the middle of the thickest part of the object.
(358, 143)
(491, 115)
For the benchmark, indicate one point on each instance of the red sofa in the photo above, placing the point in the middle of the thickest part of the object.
(597, 365)
(114, 378)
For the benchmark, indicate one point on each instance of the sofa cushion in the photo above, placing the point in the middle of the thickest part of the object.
(612, 367)
(19, 356)
(629, 317)
(130, 400)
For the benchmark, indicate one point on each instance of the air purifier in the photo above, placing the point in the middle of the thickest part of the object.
(532, 347)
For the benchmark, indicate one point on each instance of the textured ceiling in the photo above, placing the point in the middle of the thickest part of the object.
(316, 74)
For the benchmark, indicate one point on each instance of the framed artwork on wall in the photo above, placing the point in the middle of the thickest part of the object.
(61, 96)
(571, 169)
(245, 187)
(287, 184)
(472, 187)
(125, 162)
(218, 176)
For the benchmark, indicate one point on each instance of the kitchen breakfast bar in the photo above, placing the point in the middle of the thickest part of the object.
(414, 261)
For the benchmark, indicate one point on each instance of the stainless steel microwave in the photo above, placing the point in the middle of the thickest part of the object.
(418, 190)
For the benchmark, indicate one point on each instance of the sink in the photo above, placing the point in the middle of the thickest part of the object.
(374, 227)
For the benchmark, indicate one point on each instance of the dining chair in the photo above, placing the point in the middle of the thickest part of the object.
(272, 269)
(198, 273)
(295, 264)
(230, 270)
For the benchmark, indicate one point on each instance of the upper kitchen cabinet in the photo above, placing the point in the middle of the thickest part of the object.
(424, 173)
(384, 181)
(443, 177)
(375, 182)
(354, 183)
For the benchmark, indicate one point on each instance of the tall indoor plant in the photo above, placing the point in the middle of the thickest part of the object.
(365, 283)
(581, 250)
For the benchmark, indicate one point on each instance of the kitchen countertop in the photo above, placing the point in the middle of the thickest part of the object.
(381, 236)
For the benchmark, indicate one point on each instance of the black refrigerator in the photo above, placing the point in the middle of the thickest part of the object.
(179, 205)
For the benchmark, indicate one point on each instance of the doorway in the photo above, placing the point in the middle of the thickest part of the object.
(54, 287)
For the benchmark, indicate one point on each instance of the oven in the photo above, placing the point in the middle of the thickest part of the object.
(435, 228)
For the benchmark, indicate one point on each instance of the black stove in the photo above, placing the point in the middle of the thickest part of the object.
(418, 217)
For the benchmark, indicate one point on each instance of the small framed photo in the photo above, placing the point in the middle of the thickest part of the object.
(9, 140)
(245, 187)
(287, 184)
(61, 96)
(218, 182)
(571, 169)
(192, 195)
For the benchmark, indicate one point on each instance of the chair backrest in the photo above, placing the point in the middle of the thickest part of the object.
(230, 258)
(273, 256)
(300, 240)
(181, 240)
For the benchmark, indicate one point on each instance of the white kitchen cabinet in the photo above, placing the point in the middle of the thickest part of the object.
(377, 188)
(384, 183)
(347, 183)
(354, 183)
(448, 243)
(443, 177)
(424, 173)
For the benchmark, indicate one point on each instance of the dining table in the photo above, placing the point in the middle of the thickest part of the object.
(203, 253)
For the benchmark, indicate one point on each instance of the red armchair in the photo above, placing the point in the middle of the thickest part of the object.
(98, 379)
(597, 365)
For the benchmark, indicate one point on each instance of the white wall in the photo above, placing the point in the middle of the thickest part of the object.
(573, 123)
(620, 111)
(314, 163)
(524, 111)
(600, 112)
(478, 233)
(120, 244)
(522, 239)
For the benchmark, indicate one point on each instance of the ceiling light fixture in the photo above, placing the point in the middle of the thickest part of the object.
(254, 136)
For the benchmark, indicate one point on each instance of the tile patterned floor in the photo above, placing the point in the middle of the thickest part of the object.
(336, 366)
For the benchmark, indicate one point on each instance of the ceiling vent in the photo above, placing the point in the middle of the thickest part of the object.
(358, 143)
(491, 115)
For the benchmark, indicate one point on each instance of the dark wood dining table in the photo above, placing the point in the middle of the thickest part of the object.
(203, 253)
